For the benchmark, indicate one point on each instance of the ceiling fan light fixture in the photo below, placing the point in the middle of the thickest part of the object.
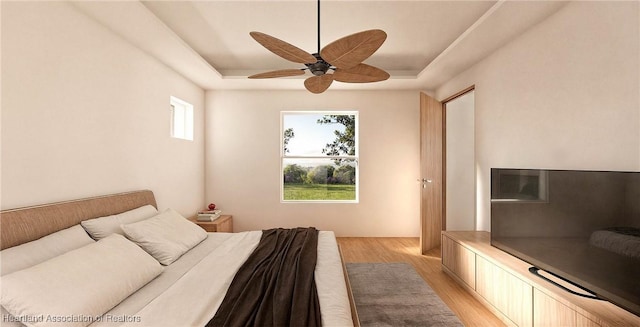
(318, 71)
(320, 67)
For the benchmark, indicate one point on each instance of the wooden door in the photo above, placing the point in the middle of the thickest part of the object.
(431, 162)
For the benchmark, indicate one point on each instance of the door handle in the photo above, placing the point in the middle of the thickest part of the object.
(424, 182)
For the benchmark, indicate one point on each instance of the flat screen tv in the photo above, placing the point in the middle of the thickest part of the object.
(581, 226)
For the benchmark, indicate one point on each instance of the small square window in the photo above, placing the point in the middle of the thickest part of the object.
(181, 119)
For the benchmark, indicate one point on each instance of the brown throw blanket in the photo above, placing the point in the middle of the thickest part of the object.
(276, 285)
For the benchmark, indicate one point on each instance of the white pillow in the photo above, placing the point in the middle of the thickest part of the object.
(104, 226)
(166, 236)
(79, 285)
(32, 253)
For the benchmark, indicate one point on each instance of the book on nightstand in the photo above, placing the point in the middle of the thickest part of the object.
(208, 215)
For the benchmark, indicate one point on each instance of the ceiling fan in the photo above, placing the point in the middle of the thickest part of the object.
(344, 57)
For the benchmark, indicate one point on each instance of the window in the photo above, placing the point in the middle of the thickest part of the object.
(181, 119)
(319, 161)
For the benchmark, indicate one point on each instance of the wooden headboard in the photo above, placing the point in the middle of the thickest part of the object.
(23, 225)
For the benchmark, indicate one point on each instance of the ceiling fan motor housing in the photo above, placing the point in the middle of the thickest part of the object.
(320, 67)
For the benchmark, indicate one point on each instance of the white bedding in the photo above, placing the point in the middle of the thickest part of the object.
(190, 290)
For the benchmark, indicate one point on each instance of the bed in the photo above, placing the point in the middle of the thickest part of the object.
(118, 283)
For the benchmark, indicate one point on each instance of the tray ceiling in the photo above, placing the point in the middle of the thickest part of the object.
(208, 41)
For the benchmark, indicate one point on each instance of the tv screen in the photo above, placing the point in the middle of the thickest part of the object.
(583, 226)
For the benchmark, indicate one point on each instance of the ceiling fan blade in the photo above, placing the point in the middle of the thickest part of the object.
(351, 50)
(279, 73)
(362, 73)
(283, 49)
(318, 84)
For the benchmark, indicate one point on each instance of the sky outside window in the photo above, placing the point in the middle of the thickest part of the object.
(310, 138)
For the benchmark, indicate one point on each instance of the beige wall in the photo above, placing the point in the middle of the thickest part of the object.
(85, 113)
(565, 95)
(243, 161)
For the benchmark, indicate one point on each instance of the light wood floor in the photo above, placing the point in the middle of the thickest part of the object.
(374, 249)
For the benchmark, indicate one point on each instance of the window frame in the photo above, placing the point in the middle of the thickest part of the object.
(355, 158)
(187, 117)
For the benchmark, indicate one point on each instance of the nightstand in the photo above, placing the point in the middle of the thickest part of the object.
(223, 224)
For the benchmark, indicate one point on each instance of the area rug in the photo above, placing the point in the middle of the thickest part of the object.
(393, 294)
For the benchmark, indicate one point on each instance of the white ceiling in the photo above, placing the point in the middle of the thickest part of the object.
(208, 42)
